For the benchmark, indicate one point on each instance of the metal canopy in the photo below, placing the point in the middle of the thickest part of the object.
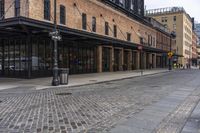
(25, 26)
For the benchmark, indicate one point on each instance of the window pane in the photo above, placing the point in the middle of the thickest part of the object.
(93, 24)
(84, 21)
(1, 8)
(17, 55)
(41, 55)
(47, 9)
(17, 8)
(106, 28)
(62, 14)
(35, 59)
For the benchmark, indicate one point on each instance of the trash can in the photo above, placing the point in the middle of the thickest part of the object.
(64, 74)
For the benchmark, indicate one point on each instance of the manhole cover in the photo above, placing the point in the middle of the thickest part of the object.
(154, 86)
(63, 93)
(0, 101)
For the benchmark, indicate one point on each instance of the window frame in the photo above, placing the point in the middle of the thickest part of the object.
(47, 10)
(2, 10)
(62, 14)
(128, 36)
(94, 28)
(84, 21)
(115, 31)
(106, 28)
(17, 8)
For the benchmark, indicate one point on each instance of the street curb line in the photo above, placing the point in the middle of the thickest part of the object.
(100, 82)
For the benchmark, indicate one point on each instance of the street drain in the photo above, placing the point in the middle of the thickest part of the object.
(0, 101)
(63, 93)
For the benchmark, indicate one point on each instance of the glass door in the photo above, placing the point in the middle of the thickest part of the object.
(134, 62)
(116, 59)
(106, 59)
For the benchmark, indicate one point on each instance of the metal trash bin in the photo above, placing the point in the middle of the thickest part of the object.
(64, 74)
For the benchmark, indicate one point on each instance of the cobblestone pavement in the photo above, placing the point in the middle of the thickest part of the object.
(92, 108)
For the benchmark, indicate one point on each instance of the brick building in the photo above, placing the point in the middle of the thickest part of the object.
(176, 19)
(97, 36)
(194, 49)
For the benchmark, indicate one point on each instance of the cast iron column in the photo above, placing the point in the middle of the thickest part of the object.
(55, 81)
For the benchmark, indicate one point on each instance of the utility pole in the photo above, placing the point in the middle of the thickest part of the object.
(55, 37)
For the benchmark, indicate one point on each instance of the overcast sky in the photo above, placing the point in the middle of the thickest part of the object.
(191, 6)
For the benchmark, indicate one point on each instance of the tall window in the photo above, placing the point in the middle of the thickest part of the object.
(47, 9)
(115, 30)
(129, 37)
(93, 24)
(1, 8)
(174, 18)
(84, 21)
(62, 14)
(17, 8)
(106, 28)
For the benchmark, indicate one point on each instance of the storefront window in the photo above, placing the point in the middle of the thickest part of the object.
(35, 58)
(12, 56)
(41, 55)
(48, 56)
(106, 59)
(17, 55)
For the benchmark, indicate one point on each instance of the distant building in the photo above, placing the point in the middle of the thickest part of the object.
(176, 19)
(197, 30)
(194, 49)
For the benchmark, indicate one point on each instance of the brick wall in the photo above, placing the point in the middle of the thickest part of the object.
(10, 10)
(35, 9)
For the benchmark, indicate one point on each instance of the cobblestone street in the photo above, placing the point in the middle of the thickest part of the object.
(100, 107)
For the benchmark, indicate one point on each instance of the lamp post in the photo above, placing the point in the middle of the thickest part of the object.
(55, 37)
(172, 36)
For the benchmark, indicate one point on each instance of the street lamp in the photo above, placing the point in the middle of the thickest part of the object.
(172, 36)
(55, 37)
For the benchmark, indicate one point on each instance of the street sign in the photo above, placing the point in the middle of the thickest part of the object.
(58, 38)
(140, 47)
(170, 54)
(55, 35)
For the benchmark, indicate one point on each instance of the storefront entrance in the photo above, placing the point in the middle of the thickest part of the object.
(126, 60)
(134, 60)
(117, 59)
(33, 58)
(106, 59)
